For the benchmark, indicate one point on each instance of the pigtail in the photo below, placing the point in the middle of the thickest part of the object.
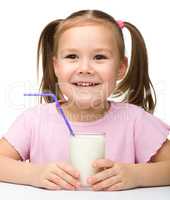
(137, 84)
(46, 51)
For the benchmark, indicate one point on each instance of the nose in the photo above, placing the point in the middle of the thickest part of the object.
(85, 67)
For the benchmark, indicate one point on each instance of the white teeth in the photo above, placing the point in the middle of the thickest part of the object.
(85, 84)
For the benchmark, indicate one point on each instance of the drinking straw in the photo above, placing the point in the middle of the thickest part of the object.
(58, 107)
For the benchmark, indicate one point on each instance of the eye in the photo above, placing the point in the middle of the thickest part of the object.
(71, 56)
(100, 57)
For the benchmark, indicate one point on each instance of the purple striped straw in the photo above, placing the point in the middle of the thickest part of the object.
(58, 107)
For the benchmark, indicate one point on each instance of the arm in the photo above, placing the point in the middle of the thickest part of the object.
(157, 172)
(11, 167)
(53, 176)
(119, 176)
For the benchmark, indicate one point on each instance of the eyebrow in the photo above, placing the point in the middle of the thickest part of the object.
(97, 49)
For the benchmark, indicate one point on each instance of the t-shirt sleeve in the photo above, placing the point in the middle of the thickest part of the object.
(150, 134)
(19, 134)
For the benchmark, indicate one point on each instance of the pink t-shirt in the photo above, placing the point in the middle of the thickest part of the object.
(132, 134)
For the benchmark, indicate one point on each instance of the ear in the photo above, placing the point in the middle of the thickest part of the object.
(55, 64)
(122, 68)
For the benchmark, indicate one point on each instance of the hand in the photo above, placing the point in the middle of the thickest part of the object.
(56, 176)
(113, 176)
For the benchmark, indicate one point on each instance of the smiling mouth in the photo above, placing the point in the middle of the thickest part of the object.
(85, 84)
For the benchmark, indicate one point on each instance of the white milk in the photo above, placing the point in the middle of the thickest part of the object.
(84, 149)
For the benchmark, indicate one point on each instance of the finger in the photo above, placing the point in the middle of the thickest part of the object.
(69, 169)
(101, 176)
(115, 187)
(102, 163)
(50, 185)
(106, 183)
(67, 177)
(61, 182)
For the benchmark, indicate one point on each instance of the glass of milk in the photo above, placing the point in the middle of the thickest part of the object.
(84, 149)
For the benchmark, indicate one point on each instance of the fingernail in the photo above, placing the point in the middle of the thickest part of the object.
(71, 188)
(58, 188)
(77, 184)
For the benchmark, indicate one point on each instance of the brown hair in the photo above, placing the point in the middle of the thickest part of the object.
(136, 85)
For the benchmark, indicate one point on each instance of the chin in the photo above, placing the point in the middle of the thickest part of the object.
(88, 103)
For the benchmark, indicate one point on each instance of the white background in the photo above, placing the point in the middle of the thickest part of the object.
(17, 192)
(22, 21)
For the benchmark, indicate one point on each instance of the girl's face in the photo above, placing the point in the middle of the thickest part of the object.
(87, 64)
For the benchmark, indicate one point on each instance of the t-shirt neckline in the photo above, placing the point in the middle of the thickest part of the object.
(91, 123)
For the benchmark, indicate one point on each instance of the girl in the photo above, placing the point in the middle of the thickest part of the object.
(84, 62)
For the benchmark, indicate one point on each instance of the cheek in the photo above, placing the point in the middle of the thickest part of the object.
(108, 74)
(109, 79)
(63, 73)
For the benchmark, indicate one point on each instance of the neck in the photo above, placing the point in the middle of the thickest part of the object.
(78, 114)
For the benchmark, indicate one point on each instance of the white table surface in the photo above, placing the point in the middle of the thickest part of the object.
(19, 192)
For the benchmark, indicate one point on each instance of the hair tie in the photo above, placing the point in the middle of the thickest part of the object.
(121, 24)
